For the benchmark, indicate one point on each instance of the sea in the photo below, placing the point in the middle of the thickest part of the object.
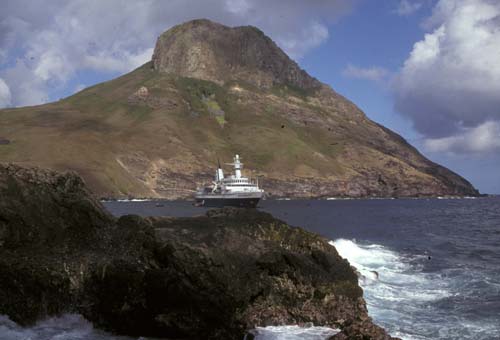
(430, 268)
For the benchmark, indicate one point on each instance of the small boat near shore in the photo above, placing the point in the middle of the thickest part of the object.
(234, 190)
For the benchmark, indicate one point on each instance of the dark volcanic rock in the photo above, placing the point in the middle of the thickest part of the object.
(210, 277)
(42, 207)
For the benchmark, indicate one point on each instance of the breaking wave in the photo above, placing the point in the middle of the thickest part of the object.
(407, 301)
(75, 327)
(65, 327)
(293, 333)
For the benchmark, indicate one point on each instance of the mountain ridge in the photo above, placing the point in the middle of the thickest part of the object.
(211, 91)
(187, 50)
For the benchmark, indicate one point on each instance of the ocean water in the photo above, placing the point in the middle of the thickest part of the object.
(430, 268)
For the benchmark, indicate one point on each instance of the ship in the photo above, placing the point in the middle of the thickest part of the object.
(234, 190)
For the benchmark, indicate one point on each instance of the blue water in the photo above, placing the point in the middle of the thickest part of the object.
(438, 260)
(437, 264)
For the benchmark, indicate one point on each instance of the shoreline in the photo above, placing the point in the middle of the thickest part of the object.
(158, 199)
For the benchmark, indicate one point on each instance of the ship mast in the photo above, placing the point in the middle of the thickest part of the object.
(237, 166)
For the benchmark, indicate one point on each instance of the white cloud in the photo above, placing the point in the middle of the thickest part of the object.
(25, 88)
(5, 96)
(481, 139)
(450, 84)
(53, 41)
(124, 63)
(407, 7)
(299, 43)
(373, 73)
(238, 7)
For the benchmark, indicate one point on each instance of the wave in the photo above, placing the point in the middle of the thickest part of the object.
(75, 327)
(65, 327)
(384, 269)
(293, 332)
(408, 302)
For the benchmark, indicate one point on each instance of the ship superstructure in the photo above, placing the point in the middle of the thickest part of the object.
(234, 190)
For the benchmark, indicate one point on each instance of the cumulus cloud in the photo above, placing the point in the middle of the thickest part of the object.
(43, 45)
(407, 7)
(299, 43)
(481, 139)
(373, 73)
(5, 96)
(25, 88)
(450, 84)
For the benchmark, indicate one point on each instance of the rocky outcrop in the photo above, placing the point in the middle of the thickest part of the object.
(42, 207)
(212, 277)
(207, 50)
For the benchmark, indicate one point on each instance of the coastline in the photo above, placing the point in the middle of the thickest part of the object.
(186, 277)
(341, 198)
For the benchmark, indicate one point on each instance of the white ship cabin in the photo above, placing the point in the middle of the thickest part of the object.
(236, 182)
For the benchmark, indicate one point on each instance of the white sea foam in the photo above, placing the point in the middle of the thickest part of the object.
(397, 292)
(66, 327)
(405, 300)
(293, 332)
(75, 327)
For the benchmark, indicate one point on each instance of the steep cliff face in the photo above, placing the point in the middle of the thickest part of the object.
(208, 277)
(210, 51)
(209, 92)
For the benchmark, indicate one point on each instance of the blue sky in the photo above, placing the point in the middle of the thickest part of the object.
(428, 69)
(372, 36)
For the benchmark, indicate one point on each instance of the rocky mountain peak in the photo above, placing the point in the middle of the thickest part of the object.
(207, 50)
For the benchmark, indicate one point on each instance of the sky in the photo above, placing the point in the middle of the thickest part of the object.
(427, 69)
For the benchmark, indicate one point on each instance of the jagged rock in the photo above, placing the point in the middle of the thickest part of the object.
(210, 277)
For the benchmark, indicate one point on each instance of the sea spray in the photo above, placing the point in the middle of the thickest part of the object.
(75, 327)
(65, 327)
(293, 333)
(402, 297)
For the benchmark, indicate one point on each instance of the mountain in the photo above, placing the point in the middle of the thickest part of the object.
(211, 91)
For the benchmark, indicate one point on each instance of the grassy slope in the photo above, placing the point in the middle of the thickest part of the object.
(102, 135)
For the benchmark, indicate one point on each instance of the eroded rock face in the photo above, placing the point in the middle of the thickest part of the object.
(210, 277)
(207, 50)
